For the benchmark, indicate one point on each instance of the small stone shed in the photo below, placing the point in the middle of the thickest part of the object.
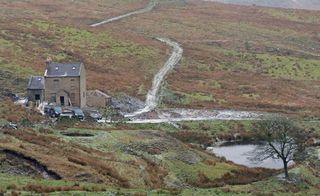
(35, 89)
(98, 99)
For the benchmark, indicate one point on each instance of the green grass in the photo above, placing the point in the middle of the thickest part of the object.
(218, 126)
(313, 125)
(195, 97)
(292, 15)
(213, 172)
(156, 126)
(294, 68)
(23, 50)
(113, 141)
(19, 182)
(81, 38)
(13, 74)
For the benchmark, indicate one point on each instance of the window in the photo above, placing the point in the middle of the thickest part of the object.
(53, 98)
(73, 98)
(56, 83)
(84, 94)
(72, 84)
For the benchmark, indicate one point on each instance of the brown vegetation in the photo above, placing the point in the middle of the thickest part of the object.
(214, 37)
(193, 137)
(236, 177)
(70, 161)
(109, 56)
(15, 113)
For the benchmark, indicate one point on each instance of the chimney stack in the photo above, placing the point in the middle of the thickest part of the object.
(48, 61)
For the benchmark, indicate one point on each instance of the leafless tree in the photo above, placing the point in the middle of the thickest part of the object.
(282, 140)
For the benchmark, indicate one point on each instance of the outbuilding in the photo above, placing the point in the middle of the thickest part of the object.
(98, 99)
(35, 89)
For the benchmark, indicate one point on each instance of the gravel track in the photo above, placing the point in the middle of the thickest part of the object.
(148, 8)
(152, 96)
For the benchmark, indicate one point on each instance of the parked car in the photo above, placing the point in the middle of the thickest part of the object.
(55, 111)
(95, 115)
(10, 125)
(67, 113)
(47, 108)
(78, 113)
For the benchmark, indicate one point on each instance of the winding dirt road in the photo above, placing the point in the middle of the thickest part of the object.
(168, 115)
(175, 57)
(148, 8)
(152, 96)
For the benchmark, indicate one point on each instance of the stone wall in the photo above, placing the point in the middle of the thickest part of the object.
(98, 99)
(63, 86)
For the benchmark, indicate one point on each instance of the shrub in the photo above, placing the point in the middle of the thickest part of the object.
(45, 131)
(12, 187)
(209, 162)
(14, 193)
(77, 161)
(236, 177)
(193, 137)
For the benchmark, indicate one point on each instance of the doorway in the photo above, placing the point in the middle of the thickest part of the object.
(62, 100)
(37, 97)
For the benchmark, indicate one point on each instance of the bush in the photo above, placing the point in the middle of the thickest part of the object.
(236, 177)
(45, 131)
(12, 187)
(193, 137)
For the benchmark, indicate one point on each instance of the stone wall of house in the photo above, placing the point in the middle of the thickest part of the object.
(68, 87)
(32, 94)
(83, 87)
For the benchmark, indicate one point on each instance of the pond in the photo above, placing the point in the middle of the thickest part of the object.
(239, 154)
(293, 4)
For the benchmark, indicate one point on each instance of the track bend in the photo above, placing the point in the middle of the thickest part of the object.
(152, 96)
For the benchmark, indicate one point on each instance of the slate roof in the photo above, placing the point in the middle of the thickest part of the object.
(36, 83)
(63, 69)
(98, 92)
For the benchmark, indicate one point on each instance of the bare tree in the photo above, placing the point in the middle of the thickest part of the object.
(282, 140)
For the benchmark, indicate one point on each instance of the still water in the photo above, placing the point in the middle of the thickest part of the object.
(239, 154)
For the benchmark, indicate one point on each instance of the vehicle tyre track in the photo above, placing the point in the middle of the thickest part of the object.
(148, 8)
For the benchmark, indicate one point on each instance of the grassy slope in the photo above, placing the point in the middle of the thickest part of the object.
(25, 44)
(151, 158)
(271, 186)
(239, 57)
(235, 57)
(109, 56)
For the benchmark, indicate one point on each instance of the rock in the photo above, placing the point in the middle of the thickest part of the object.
(188, 157)
(15, 163)
(126, 104)
(86, 177)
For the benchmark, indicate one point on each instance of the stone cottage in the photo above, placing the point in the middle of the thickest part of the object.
(63, 84)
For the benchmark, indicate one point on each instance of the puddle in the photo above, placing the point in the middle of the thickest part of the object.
(74, 134)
